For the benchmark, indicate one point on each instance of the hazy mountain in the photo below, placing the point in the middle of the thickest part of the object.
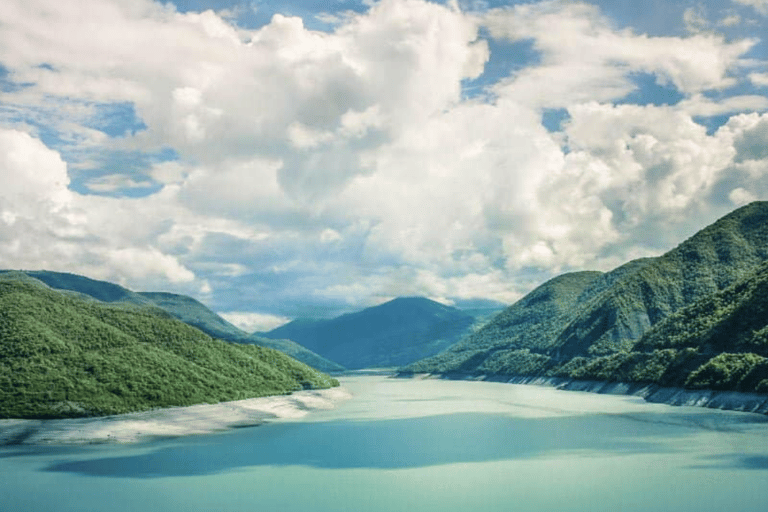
(534, 322)
(63, 356)
(589, 336)
(184, 308)
(195, 313)
(391, 334)
(99, 290)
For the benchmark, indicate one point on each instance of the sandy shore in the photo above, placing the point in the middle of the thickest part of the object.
(172, 422)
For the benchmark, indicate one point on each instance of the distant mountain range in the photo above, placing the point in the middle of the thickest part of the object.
(692, 317)
(66, 354)
(695, 317)
(391, 334)
(181, 307)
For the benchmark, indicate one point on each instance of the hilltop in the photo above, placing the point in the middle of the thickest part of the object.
(391, 334)
(195, 313)
(65, 355)
(181, 307)
(620, 325)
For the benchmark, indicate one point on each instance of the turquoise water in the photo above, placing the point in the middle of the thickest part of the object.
(421, 445)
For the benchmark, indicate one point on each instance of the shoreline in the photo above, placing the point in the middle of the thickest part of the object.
(653, 393)
(171, 422)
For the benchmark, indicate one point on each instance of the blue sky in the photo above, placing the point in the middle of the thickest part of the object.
(287, 159)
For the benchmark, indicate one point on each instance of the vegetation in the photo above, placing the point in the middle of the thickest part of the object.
(63, 356)
(391, 334)
(694, 317)
(192, 312)
(516, 341)
(181, 307)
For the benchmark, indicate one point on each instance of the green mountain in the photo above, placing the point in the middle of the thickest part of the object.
(532, 323)
(719, 342)
(181, 307)
(65, 356)
(592, 336)
(711, 260)
(194, 313)
(391, 334)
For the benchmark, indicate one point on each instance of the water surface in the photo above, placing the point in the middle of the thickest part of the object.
(424, 445)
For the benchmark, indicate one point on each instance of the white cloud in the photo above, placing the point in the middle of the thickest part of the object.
(760, 6)
(116, 182)
(254, 322)
(35, 179)
(45, 225)
(700, 105)
(740, 197)
(759, 79)
(695, 19)
(345, 167)
(730, 21)
(583, 58)
(749, 135)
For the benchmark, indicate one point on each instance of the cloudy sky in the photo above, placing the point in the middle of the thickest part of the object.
(280, 159)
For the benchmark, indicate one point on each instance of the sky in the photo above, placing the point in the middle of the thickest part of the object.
(308, 158)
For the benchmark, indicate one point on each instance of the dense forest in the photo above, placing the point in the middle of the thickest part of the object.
(181, 307)
(397, 332)
(67, 355)
(693, 317)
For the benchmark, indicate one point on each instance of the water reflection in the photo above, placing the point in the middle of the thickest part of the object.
(387, 444)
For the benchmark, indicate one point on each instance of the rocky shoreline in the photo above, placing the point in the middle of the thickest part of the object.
(171, 422)
(725, 400)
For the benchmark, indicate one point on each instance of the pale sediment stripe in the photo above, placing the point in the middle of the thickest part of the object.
(725, 400)
(171, 422)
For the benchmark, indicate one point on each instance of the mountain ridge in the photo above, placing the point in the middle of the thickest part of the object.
(390, 334)
(63, 355)
(182, 307)
(605, 336)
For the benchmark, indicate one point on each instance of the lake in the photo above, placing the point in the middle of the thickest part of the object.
(422, 445)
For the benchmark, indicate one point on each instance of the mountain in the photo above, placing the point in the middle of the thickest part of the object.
(63, 355)
(532, 323)
(719, 342)
(99, 290)
(391, 334)
(591, 336)
(709, 261)
(194, 313)
(181, 307)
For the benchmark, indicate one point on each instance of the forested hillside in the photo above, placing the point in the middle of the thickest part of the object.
(694, 316)
(65, 356)
(181, 307)
(391, 334)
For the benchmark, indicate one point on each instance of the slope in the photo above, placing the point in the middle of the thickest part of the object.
(62, 356)
(194, 313)
(184, 308)
(517, 339)
(719, 342)
(391, 334)
(616, 309)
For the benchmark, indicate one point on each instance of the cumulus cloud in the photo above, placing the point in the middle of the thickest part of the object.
(760, 6)
(45, 225)
(585, 59)
(254, 322)
(326, 171)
